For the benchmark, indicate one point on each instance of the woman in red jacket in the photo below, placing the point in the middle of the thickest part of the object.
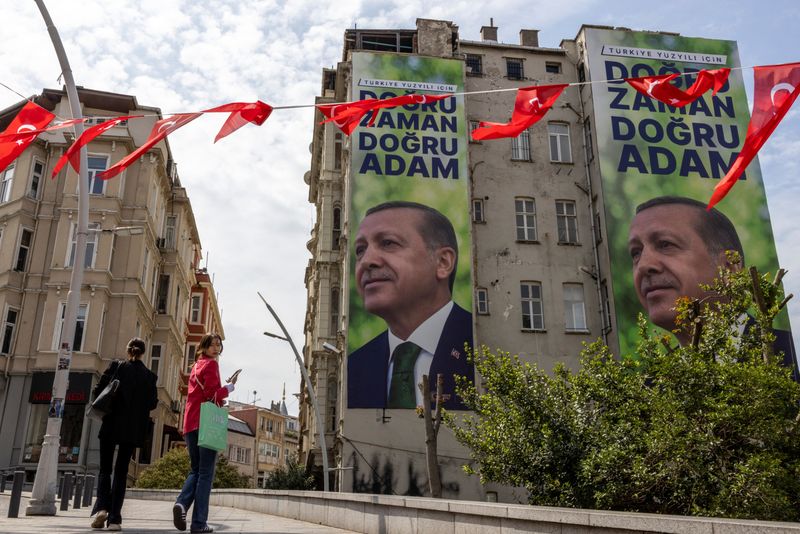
(204, 385)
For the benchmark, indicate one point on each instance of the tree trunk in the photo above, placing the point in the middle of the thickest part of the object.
(432, 423)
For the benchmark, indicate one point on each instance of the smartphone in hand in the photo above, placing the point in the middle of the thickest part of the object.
(234, 376)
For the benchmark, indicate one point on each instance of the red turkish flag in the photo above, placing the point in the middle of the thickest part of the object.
(27, 133)
(241, 113)
(348, 115)
(531, 105)
(73, 152)
(658, 87)
(776, 88)
(160, 130)
(23, 128)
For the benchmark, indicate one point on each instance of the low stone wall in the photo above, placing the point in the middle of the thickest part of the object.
(390, 514)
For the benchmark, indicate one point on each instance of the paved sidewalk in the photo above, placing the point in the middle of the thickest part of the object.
(153, 516)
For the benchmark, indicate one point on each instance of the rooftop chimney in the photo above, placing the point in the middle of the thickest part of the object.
(529, 37)
(489, 33)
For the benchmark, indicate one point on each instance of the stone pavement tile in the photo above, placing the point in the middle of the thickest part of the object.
(149, 517)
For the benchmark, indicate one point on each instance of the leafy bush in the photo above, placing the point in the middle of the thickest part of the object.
(292, 476)
(170, 472)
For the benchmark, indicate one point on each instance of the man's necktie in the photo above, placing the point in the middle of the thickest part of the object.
(401, 391)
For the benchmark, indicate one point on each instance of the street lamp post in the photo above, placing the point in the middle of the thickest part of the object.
(44, 485)
(309, 387)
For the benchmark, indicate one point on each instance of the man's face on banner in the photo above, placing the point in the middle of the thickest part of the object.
(670, 260)
(395, 270)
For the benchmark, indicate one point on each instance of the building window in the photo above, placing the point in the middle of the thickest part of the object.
(163, 293)
(91, 245)
(474, 65)
(170, 230)
(521, 147)
(478, 211)
(334, 312)
(71, 431)
(97, 164)
(337, 227)
(196, 314)
(532, 310)
(155, 361)
(145, 267)
(6, 182)
(473, 125)
(338, 140)
(25, 240)
(514, 69)
(552, 67)
(80, 325)
(9, 327)
(567, 222)
(559, 142)
(587, 133)
(526, 219)
(482, 301)
(574, 312)
(332, 390)
(37, 172)
(191, 350)
(606, 307)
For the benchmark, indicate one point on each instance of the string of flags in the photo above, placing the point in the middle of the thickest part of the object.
(776, 89)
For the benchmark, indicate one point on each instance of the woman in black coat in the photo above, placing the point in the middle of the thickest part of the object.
(125, 426)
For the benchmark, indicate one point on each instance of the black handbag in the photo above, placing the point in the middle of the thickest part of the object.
(102, 405)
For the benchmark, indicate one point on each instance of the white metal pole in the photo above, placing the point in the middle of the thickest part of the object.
(44, 485)
(310, 388)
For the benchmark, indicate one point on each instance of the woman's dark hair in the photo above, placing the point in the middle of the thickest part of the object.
(206, 342)
(136, 348)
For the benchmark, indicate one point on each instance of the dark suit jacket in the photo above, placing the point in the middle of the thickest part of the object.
(129, 419)
(368, 366)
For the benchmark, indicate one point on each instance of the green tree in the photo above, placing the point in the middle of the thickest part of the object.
(170, 472)
(712, 428)
(292, 476)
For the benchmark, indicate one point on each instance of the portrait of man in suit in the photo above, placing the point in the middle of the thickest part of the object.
(405, 267)
(676, 245)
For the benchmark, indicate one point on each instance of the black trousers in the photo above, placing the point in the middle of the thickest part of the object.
(111, 490)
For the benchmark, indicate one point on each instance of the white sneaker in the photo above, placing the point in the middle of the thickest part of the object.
(99, 520)
(114, 526)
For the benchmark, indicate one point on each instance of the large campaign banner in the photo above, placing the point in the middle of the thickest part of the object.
(647, 149)
(416, 154)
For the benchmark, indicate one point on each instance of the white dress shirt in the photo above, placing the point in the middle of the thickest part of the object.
(426, 336)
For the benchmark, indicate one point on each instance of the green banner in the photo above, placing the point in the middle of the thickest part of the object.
(647, 149)
(410, 154)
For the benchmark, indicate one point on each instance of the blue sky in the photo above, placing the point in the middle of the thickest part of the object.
(247, 191)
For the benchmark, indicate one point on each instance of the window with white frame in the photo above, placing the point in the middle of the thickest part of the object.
(9, 328)
(567, 222)
(97, 164)
(6, 183)
(336, 230)
(478, 211)
(145, 267)
(574, 311)
(338, 141)
(525, 218)
(482, 301)
(521, 147)
(23, 251)
(191, 350)
(170, 230)
(91, 245)
(531, 304)
(37, 173)
(80, 326)
(155, 361)
(196, 313)
(163, 293)
(560, 151)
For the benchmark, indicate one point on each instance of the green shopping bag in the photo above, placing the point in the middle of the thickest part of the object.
(213, 427)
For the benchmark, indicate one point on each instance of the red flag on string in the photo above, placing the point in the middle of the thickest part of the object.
(5, 136)
(776, 88)
(24, 128)
(73, 152)
(347, 116)
(531, 105)
(658, 87)
(160, 130)
(241, 113)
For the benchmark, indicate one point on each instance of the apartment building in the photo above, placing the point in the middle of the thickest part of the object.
(548, 210)
(141, 270)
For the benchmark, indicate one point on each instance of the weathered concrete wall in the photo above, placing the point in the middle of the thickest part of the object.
(388, 514)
